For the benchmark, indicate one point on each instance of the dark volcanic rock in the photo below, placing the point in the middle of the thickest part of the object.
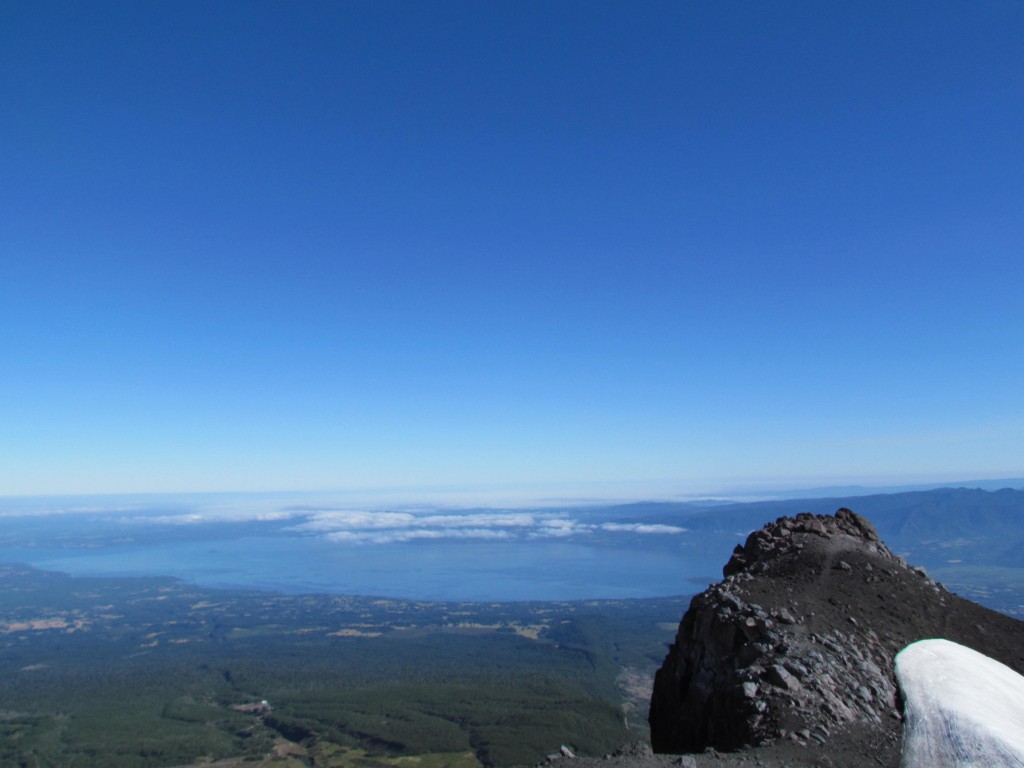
(796, 645)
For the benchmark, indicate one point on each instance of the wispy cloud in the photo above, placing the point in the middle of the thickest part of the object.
(364, 525)
(347, 520)
(395, 536)
(560, 527)
(367, 526)
(641, 528)
(388, 526)
(209, 516)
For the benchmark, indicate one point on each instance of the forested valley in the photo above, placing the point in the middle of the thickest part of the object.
(125, 673)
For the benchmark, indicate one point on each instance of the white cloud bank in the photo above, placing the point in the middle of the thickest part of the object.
(199, 518)
(361, 525)
(389, 526)
(641, 528)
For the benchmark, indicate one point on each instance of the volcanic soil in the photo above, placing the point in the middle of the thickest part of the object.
(821, 597)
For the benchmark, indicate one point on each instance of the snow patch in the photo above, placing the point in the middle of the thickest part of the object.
(961, 708)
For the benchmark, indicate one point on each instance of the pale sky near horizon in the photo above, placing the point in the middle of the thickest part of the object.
(675, 246)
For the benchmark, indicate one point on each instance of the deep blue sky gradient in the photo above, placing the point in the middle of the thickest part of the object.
(656, 247)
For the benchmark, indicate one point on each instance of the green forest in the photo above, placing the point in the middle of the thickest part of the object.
(126, 673)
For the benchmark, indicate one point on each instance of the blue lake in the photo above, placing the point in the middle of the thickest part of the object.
(418, 553)
(425, 570)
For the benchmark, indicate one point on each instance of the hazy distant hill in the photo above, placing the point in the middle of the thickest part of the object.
(969, 538)
(834, 491)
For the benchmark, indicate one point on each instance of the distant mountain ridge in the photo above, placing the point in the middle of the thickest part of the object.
(871, 490)
(970, 538)
(906, 519)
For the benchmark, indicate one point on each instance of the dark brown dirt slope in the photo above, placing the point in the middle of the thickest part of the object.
(789, 660)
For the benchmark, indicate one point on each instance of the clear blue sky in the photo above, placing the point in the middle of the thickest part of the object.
(657, 246)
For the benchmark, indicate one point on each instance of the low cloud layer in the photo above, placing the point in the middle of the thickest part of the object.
(641, 528)
(387, 527)
(371, 526)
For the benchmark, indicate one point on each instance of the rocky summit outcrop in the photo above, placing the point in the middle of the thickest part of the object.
(796, 645)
